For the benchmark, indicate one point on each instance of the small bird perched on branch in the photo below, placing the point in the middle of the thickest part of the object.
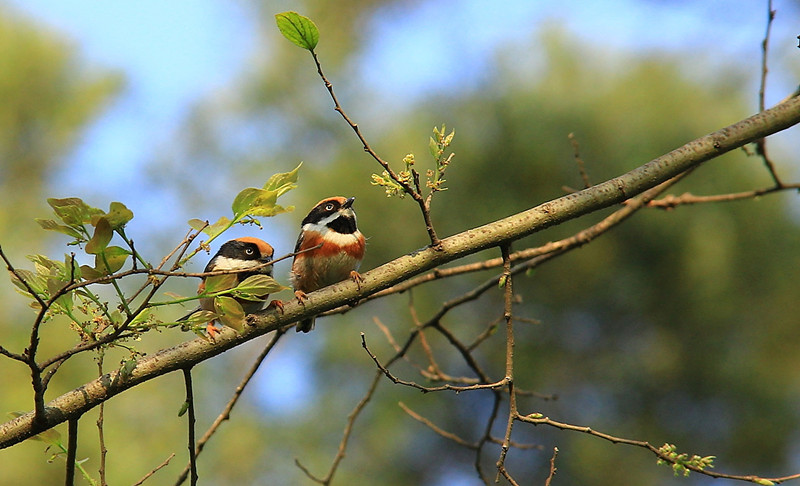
(239, 254)
(332, 223)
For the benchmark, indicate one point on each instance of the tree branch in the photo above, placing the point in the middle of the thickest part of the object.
(76, 402)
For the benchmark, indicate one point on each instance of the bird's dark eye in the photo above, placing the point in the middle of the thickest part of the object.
(329, 207)
(249, 251)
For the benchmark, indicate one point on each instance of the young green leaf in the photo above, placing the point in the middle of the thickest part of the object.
(115, 256)
(35, 281)
(230, 312)
(298, 29)
(118, 215)
(198, 224)
(101, 238)
(71, 210)
(218, 283)
(201, 317)
(284, 181)
(91, 273)
(252, 201)
(257, 286)
(52, 225)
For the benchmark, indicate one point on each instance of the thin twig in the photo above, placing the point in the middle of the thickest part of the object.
(447, 386)
(101, 434)
(538, 419)
(225, 414)
(72, 446)
(670, 201)
(187, 379)
(761, 144)
(407, 188)
(553, 468)
(578, 160)
(348, 430)
(147, 476)
(508, 297)
(447, 435)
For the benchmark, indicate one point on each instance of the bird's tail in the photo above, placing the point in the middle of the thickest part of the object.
(305, 325)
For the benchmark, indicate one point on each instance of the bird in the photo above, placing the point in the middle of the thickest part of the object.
(331, 224)
(238, 254)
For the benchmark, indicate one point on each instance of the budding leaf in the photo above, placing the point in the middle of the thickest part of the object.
(184, 408)
(298, 29)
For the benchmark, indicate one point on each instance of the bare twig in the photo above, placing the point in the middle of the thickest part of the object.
(225, 414)
(553, 468)
(508, 315)
(72, 451)
(187, 379)
(100, 433)
(578, 160)
(538, 419)
(446, 386)
(670, 201)
(147, 476)
(447, 435)
(348, 430)
(761, 143)
(416, 195)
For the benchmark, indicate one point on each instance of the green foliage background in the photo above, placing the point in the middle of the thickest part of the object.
(679, 326)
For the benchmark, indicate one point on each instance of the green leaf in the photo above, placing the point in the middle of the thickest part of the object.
(73, 211)
(252, 200)
(115, 257)
(101, 238)
(230, 312)
(298, 29)
(90, 273)
(118, 215)
(257, 286)
(36, 282)
(215, 229)
(201, 317)
(54, 285)
(198, 224)
(284, 181)
(52, 225)
(434, 148)
(218, 283)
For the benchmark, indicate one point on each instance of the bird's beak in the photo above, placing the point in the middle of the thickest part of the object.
(348, 203)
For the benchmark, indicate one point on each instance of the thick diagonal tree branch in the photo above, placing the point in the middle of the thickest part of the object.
(76, 402)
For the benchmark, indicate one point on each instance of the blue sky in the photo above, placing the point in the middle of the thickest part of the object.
(177, 53)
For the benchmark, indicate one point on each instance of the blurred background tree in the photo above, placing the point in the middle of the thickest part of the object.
(677, 327)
